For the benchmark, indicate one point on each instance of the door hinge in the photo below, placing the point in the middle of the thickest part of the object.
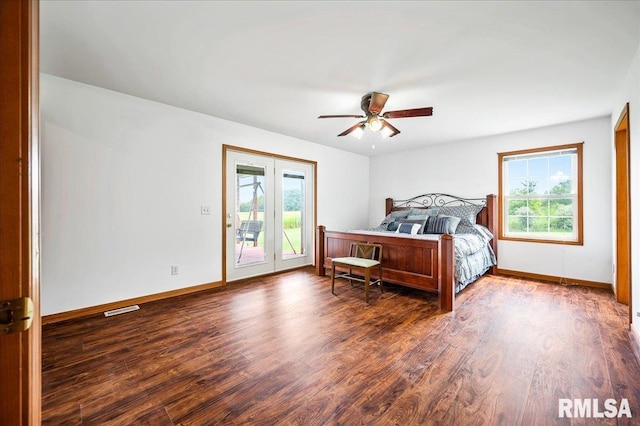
(16, 315)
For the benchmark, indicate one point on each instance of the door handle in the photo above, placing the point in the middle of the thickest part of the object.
(16, 315)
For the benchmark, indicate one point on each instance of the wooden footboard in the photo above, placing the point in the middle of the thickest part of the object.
(425, 264)
(419, 263)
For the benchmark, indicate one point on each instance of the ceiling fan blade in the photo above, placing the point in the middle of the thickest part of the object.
(377, 102)
(351, 129)
(388, 125)
(406, 113)
(341, 116)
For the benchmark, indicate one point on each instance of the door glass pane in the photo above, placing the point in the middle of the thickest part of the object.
(249, 220)
(293, 214)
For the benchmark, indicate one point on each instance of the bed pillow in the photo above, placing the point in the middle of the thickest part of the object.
(421, 222)
(408, 228)
(453, 223)
(431, 211)
(467, 212)
(417, 217)
(393, 216)
(437, 225)
(393, 226)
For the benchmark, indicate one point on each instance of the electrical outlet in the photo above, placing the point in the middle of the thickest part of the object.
(174, 269)
(205, 210)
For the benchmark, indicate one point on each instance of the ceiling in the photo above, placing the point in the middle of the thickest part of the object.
(486, 67)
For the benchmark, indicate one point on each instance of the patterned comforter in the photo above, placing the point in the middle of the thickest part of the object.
(474, 256)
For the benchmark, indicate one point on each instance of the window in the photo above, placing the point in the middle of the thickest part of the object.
(541, 194)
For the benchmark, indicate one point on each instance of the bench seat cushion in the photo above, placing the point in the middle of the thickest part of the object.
(355, 261)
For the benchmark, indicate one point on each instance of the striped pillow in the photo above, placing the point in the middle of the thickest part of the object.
(437, 225)
(453, 223)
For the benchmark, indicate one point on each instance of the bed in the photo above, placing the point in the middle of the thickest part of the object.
(444, 261)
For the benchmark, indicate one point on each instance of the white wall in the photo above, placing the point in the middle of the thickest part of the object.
(630, 92)
(470, 169)
(123, 180)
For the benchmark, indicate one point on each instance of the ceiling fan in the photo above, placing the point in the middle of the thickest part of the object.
(372, 104)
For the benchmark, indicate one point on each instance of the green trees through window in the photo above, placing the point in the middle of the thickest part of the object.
(540, 194)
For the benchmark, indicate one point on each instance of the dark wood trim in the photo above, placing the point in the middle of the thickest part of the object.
(267, 154)
(92, 310)
(623, 119)
(622, 146)
(580, 237)
(315, 203)
(20, 370)
(535, 240)
(580, 193)
(32, 210)
(223, 225)
(554, 279)
(540, 149)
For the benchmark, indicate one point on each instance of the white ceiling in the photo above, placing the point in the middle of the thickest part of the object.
(485, 67)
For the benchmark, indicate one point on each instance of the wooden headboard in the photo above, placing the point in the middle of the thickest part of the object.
(488, 215)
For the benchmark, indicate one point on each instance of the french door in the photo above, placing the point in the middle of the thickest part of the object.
(268, 214)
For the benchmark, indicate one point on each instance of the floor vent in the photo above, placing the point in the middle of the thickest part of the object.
(121, 310)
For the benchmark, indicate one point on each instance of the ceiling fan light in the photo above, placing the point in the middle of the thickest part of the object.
(386, 131)
(372, 105)
(358, 131)
(374, 123)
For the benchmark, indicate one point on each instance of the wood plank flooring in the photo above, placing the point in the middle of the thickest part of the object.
(284, 350)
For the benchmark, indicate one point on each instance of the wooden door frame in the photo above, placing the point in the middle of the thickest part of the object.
(622, 146)
(226, 148)
(20, 373)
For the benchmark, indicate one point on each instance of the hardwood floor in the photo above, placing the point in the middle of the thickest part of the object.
(284, 350)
